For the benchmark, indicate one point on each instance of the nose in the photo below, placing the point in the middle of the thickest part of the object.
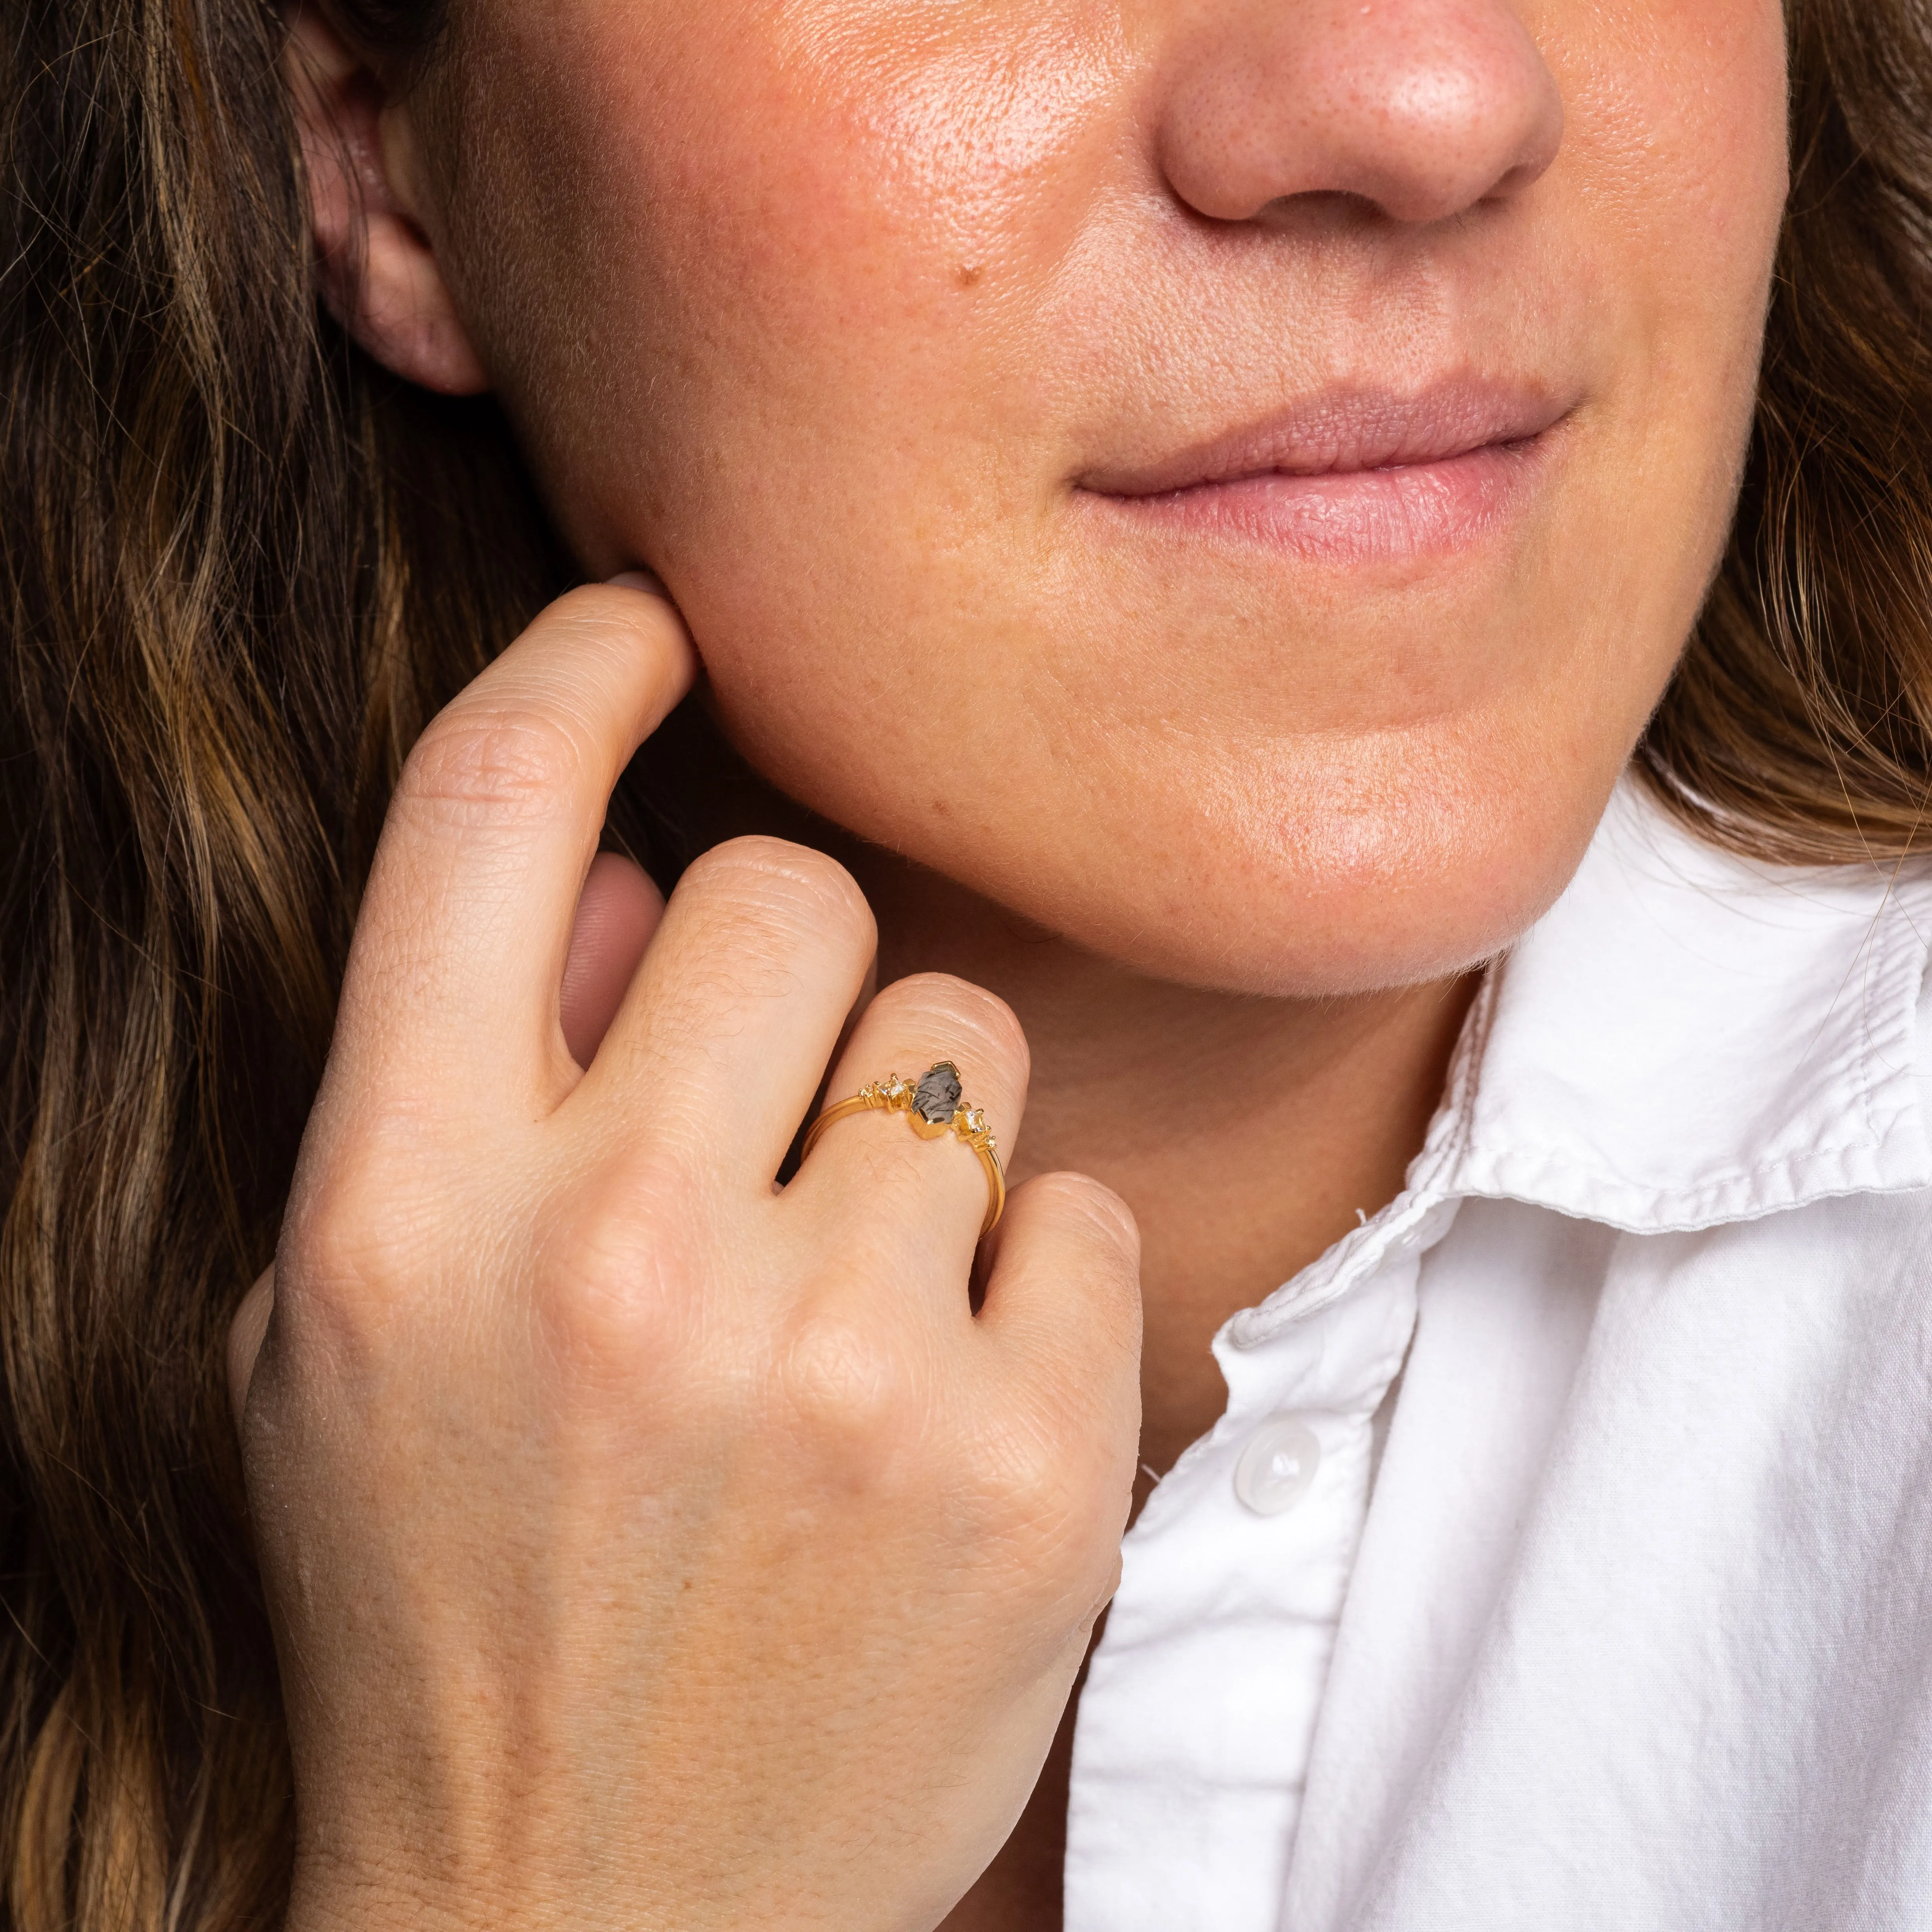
(1424, 109)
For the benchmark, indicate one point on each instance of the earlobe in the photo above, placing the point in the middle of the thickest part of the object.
(378, 268)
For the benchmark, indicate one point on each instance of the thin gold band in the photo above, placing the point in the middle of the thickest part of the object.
(893, 1095)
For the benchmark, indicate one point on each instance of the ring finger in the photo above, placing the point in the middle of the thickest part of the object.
(933, 1193)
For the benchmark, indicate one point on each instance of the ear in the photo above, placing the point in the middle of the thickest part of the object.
(379, 274)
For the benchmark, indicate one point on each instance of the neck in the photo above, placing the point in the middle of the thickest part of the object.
(1247, 1134)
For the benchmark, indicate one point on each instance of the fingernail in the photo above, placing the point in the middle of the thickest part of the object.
(642, 580)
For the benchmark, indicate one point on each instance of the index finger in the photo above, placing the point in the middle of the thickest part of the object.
(458, 955)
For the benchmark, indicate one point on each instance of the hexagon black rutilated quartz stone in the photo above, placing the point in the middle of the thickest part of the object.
(936, 1099)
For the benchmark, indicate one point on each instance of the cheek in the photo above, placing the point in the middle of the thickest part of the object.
(1677, 144)
(781, 242)
(1674, 102)
(821, 293)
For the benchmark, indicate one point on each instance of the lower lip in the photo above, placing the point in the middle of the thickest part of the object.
(1408, 511)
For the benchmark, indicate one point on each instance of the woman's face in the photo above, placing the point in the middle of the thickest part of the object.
(1225, 479)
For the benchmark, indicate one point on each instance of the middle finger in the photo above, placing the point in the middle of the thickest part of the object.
(722, 1037)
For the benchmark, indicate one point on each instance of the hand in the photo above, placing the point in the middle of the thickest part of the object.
(647, 1547)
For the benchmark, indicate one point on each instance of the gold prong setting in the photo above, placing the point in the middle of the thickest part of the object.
(901, 1096)
(934, 1105)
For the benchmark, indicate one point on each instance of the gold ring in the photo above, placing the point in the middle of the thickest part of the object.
(932, 1106)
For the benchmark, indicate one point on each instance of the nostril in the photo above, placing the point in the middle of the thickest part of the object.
(1424, 108)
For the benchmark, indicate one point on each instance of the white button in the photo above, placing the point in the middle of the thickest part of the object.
(1278, 1465)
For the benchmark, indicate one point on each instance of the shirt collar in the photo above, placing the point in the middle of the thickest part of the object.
(1688, 1037)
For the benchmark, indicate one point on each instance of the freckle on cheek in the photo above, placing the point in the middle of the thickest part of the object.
(966, 274)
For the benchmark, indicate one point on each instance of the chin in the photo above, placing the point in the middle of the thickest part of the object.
(1424, 882)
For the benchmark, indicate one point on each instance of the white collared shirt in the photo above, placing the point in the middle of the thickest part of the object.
(1636, 1631)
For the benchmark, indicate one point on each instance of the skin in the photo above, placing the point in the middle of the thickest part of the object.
(647, 1547)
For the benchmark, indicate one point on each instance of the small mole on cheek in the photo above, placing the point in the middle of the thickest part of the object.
(966, 274)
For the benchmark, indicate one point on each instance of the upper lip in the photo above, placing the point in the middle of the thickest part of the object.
(1340, 431)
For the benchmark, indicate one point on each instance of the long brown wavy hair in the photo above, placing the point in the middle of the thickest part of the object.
(241, 567)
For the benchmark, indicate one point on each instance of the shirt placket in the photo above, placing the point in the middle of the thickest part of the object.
(1192, 1737)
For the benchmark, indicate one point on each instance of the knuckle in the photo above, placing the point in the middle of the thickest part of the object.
(1062, 1494)
(480, 764)
(346, 1251)
(1064, 1482)
(754, 919)
(984, 1026)
(1035, 1483)
(615, 1290)
(790, 888)
(850, 1390)
(1091, 1207)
